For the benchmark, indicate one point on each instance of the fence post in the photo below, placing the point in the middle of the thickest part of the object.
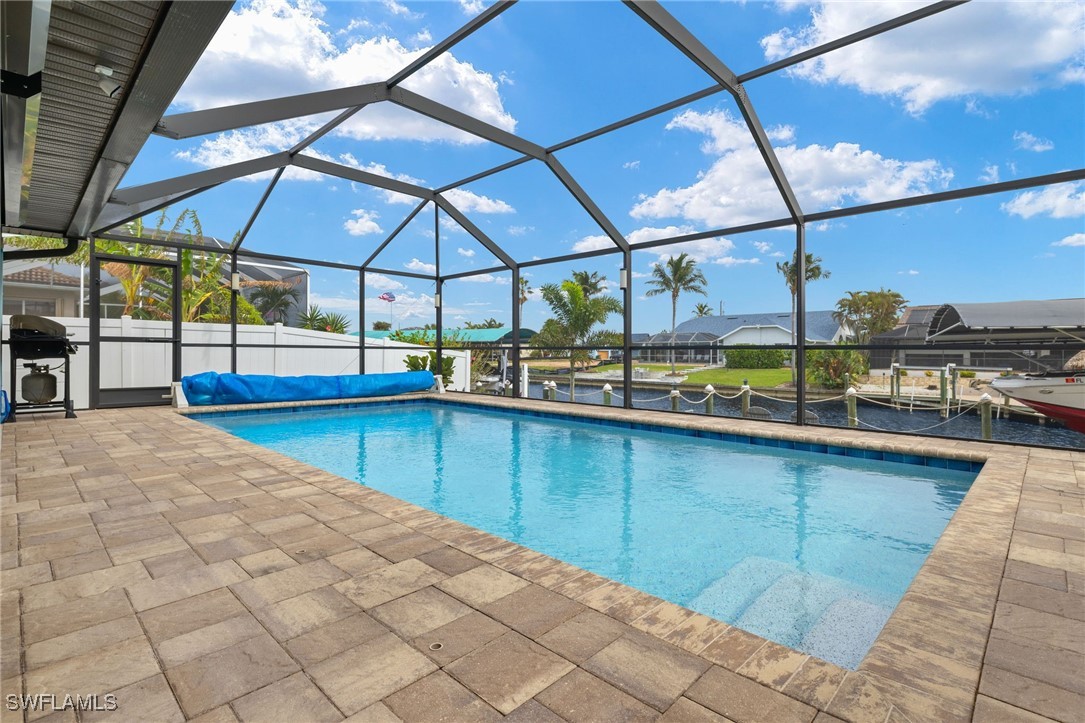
(675, 396)
(985, 416)
(853, 414)
(572, 384)
(745, 397)
(710, 401)
(508, 388)
(607, 389)
(525, 382)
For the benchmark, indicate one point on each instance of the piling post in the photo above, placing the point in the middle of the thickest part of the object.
(607, 389)
(894, 382)
(710, 400)
(985, 416)
(745, 397)
(943, 397)
(572, 385)
(508, 389)
(951, 369)
(675, 396)
(853, 414)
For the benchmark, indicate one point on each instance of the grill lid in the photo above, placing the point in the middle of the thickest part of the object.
(39, 324)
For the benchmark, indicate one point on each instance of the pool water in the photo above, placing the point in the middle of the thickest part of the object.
(810, 550)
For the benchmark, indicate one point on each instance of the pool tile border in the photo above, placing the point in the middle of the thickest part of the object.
(961, 463)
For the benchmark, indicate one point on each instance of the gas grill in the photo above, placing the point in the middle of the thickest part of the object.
(34, 338)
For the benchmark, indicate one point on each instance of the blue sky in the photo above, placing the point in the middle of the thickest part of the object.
(989, 91)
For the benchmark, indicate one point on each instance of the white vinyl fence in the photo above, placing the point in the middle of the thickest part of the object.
(282, 353)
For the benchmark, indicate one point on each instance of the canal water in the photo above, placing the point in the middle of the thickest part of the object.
(834, 414)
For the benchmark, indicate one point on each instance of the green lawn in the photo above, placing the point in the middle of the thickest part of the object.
(734, 377)
(649, 367)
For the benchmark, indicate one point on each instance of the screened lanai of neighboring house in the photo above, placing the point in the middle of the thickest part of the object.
(460, 157)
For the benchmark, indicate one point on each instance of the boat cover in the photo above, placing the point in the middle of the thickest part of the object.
(214, 388)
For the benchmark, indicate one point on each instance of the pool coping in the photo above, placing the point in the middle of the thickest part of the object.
(925, 663)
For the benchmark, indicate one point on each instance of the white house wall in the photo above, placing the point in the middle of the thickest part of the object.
(141, 364)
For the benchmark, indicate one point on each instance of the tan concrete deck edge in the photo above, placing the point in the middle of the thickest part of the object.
(926, 664)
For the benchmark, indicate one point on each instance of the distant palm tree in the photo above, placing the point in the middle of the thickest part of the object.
(592, 283)
(790, 271)
(335, 323)
(702, 309)
(274, 298)
(525, 293)
(312, 318)
(678, 274)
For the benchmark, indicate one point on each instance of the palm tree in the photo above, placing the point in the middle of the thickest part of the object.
(678, 274)
(334, 323)
(576, 314)
(525, 293)
(790, 270)
(592, 283)
(273, 298)
(702, 309)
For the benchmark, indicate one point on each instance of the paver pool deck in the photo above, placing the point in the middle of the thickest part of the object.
(194, 575)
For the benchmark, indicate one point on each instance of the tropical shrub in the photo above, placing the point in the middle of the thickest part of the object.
(740, 357)
(826, 368)
(420, 363)
(966, 374)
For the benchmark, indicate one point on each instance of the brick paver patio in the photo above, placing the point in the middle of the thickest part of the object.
(196, 576)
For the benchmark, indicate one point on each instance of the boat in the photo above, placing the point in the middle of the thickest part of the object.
(1059, 395)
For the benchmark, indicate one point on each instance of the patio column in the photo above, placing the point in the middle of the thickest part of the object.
(516, 321)
(627, 330)
(799, 358)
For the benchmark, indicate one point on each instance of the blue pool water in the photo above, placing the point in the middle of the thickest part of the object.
(807, 549)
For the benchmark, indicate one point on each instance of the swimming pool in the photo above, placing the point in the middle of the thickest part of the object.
(812, 550)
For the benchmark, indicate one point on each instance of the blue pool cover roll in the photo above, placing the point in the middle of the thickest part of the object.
(214, 388)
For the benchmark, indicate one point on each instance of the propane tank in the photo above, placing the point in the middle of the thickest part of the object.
(39, 386)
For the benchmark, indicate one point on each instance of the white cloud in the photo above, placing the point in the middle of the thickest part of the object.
(422, 37)
(399, 9)
(990, 174)
(468, 201)
(631, 165)
(382, 282)
(1066, 200)
(333, 303)
(653, 233)
(472, 7)
(363, 223)
(959, 53)
(1077, 239)
(737, 189)
(733, 261)
(273, 48)
(420, 266)
(487, 279)
(909, 272)
(505, 78)
(467, 253)
(593, 243)
(449, 225)
(519, 230)
(1027, 142)
(762, 246)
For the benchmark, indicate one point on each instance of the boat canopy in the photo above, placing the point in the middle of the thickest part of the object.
(1051, 320)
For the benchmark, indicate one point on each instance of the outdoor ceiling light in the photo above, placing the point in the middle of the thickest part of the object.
(623, 278)
(106, 82)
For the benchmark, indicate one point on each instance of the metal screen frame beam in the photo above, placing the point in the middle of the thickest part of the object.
(586, 202)
(469, 124)
(200, 179)
(256, 211)
(115, 214)
(244, 115)
(392, 272)
(440, 48)
(475, 231)
(328, 168)
(476, 272)
(668, 26)
(399, 228)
